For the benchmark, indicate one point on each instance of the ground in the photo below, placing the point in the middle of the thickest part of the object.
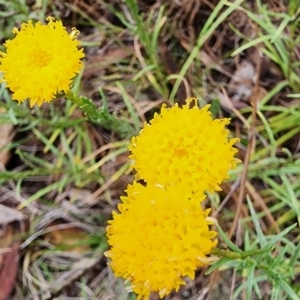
(62, 175)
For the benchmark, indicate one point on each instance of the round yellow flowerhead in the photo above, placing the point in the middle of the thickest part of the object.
(40, 61)
(185, 147)
(159, 237)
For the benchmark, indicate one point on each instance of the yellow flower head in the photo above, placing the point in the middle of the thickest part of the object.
(186, 147)
(159, 236)
(40, 61)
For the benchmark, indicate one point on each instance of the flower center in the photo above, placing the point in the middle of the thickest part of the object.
(180, 152)
(41, 58)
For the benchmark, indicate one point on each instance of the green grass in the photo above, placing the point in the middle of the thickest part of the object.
(68, 170)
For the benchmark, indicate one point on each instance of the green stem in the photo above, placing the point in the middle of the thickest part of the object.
(101, 116)
(227, 253)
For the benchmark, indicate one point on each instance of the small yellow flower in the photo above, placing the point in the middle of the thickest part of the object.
(186, 147)
(40, 61)
(159, 237)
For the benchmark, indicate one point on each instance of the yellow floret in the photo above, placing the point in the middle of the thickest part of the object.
(40, 61)
(186, 147)
(159, 237)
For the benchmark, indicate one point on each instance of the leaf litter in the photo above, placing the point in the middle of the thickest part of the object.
(60, 258)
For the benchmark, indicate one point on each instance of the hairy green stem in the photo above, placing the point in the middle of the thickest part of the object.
(101, 116)
(230, 254)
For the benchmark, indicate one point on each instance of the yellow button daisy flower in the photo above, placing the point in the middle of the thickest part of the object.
(40, 61)
(159, 237)
(185, 147)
